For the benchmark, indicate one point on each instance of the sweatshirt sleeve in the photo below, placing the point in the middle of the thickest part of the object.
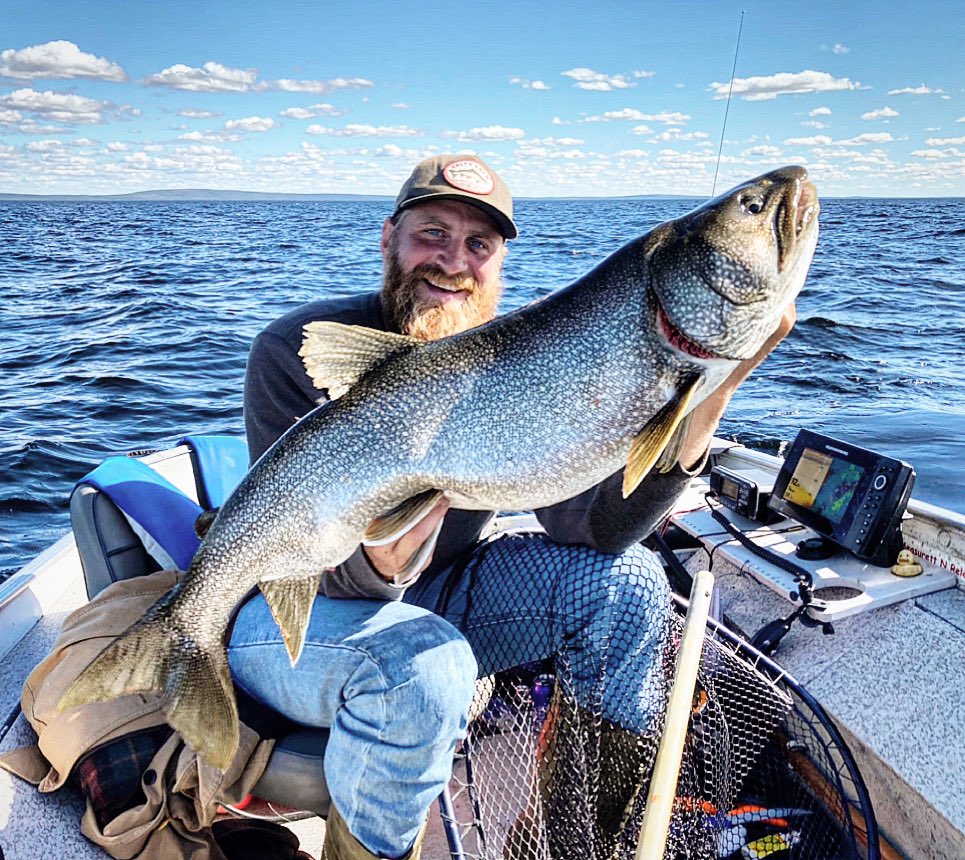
(277, 392)
(602, 519)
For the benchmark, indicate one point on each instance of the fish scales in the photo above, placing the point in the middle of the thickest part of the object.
(523, 412)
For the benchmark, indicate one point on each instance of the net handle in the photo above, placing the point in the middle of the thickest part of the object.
(663, 784)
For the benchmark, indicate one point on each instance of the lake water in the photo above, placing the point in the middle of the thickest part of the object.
(126, 325)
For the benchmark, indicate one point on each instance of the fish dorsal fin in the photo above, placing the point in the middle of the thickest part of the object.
(336, 356)
(395, 523)
(657, 435)
(290, 599)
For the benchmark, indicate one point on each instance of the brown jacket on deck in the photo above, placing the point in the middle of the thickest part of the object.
(175, 820)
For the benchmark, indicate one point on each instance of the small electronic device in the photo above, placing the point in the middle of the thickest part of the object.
(746, 492)
(850, 496)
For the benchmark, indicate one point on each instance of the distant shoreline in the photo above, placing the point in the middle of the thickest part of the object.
(201, 195)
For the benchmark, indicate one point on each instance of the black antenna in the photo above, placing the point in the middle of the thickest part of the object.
(733, 72)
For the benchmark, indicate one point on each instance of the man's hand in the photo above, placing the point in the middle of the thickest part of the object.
(390, 559)
(706, 417)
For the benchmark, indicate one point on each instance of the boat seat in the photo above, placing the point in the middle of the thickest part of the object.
(110, 549)
(157, 532)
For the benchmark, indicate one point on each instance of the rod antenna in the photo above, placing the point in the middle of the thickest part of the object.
(733, 72)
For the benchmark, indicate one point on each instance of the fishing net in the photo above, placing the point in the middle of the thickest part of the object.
(544, 773)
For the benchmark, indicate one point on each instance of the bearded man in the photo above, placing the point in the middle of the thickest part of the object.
(391, 655)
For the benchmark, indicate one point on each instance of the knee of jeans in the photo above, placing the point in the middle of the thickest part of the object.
(446, 678)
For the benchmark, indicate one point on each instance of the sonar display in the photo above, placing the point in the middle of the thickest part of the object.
(823, 484)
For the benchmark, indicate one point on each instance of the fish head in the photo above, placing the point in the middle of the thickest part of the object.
(723, 274)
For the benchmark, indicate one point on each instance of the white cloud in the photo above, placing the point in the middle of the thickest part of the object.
(210, 78)
(764, 88)
(862, 139)
(557, 121)
(116, 146)
(675, 134)
(287, 85)
(390, 150)
(216, 136)
(945, 141)
(44, 145)
(763, 151)
(250, 123)
(528, 84)
(921, 90)
(634, 115)
(641, 129)
(57, 59)
(321, 109)
(555, 141)
(816, 140)
(58, 107)
(355, 130)
(588, 79)
(814, 124)
(10, 116)
(198, 114)
(820, 111)
(881, 113)
(932, 153)
(297, 113)
(489, 132)
(401, 106)
(840, 49)
(824, 140)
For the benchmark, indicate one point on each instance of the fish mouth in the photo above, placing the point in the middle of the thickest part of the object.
(678, 340)
(793, 217)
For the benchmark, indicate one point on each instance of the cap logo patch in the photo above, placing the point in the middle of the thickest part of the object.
(468, 175)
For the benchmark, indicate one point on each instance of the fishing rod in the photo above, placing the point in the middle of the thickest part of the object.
(733, 72)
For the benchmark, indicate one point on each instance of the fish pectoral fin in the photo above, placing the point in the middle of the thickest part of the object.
(396, 522)
(671, 454)
(336, 356)
(290, 600)
(203, 523)
(657, 436)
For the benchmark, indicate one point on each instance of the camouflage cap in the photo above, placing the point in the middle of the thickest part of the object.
(460, 177)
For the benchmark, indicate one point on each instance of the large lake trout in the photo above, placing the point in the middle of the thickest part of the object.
(523, 412)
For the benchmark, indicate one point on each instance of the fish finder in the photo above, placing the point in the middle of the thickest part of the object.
(852, 497)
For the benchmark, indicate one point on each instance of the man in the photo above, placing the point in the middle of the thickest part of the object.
(391, 659)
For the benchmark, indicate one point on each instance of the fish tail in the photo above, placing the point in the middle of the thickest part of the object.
(194, 681)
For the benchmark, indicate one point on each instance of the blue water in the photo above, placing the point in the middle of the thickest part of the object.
(126, 325)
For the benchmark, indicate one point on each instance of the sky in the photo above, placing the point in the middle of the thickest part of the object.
(562, 98)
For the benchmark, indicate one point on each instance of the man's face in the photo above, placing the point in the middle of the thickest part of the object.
(441, 269)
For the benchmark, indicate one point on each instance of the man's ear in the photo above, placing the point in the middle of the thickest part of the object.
(387, 228)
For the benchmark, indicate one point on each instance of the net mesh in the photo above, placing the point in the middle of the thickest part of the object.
(544, 774)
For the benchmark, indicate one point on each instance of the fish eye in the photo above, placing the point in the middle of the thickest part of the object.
(753, 203)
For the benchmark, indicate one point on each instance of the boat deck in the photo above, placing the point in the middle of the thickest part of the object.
(891, 678)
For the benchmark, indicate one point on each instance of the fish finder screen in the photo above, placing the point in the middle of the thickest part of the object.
(823, 484)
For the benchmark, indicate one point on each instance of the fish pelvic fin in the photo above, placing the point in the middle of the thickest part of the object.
(396, 522)
(657, 436)
(290, 600)
(336, 356)
(193, 681)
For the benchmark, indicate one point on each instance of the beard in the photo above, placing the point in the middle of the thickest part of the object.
(425, 320)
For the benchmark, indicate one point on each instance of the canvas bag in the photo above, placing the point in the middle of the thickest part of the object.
(182, 797)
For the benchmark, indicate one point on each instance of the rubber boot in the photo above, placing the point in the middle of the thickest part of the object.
(340, 844)
(592, 784)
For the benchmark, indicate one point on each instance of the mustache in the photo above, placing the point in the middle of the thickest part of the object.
(464, 281)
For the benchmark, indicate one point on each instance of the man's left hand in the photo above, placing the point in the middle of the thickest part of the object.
(706, 417)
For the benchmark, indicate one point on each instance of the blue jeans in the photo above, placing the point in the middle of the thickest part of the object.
(394, 680)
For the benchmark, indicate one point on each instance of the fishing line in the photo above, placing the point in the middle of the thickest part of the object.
(733, 72)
